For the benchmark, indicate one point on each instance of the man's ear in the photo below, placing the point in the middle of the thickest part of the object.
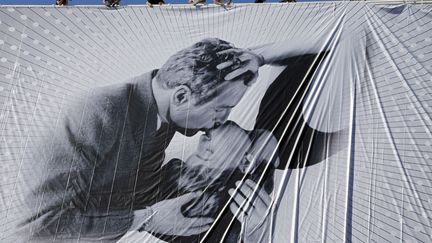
(181, 95)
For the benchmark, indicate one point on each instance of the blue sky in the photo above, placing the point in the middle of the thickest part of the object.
(86, 2)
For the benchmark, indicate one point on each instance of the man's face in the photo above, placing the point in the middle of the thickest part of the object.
(221, 148)
(210, 114)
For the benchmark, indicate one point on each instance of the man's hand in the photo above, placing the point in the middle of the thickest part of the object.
(244, 65)
(251, 209)
(169, 220)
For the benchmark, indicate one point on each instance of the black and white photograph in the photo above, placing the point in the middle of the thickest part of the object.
(305, 122)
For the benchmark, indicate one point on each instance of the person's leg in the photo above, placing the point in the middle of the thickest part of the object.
(195, 2)
(218, 2)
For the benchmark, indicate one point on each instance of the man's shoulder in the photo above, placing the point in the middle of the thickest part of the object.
(100, 102)
(108, 104)
(118, 94)
(111, 95)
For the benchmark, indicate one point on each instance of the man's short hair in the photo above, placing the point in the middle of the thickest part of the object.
(195, 67)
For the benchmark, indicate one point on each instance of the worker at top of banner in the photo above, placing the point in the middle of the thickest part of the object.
(97, 175)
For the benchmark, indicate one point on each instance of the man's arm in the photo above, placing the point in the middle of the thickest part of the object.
(166, 217)
(248, 61)
(68, 223)
(277, 53)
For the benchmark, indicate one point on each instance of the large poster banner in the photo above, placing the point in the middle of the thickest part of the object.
(306, 122)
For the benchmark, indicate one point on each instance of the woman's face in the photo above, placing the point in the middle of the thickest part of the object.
(221, 148)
